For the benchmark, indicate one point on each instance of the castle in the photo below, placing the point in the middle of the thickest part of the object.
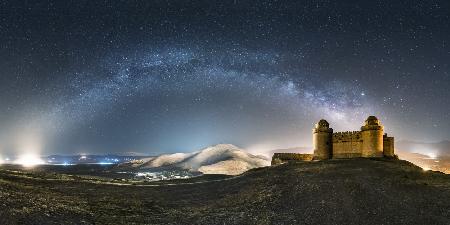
(370, 141)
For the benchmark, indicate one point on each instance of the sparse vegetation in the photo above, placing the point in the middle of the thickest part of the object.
(355, 191)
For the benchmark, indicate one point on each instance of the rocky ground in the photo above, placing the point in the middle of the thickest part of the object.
(357, 191)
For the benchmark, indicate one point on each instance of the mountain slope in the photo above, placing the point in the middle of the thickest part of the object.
(219, 159)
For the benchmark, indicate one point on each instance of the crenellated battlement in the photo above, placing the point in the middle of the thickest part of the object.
(347, 136)
(346, 132)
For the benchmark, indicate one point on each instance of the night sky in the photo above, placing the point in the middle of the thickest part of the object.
(176, 76)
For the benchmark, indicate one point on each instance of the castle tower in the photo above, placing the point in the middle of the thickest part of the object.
(322, 140)
(372, 136)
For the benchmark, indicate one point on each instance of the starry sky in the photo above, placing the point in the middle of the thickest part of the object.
(175, 76)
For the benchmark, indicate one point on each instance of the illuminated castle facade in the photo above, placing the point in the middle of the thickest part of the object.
(370, 141)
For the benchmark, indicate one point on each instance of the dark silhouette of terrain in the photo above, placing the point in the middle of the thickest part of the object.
(354, 191)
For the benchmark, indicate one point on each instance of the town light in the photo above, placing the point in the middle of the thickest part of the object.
(29, 160)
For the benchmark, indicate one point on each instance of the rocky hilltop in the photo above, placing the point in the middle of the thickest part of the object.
(348, 191)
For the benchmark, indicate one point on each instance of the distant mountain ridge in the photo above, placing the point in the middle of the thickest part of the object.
(219, 159)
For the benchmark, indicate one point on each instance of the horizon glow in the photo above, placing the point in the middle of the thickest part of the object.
(29, 160)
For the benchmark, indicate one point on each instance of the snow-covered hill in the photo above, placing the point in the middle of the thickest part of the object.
(219, 159)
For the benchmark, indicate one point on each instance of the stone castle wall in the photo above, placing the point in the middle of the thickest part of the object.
(347, 144)
(388, 146)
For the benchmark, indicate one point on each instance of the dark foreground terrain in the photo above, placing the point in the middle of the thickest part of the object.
(357, 191)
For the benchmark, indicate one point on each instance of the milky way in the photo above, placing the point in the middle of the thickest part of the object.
(252, 75)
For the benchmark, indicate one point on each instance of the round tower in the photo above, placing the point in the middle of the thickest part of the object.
(372, 136)
(322, 140)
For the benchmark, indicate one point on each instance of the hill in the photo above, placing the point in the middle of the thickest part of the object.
(430, 156)
(219, 159)
(354, 191)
